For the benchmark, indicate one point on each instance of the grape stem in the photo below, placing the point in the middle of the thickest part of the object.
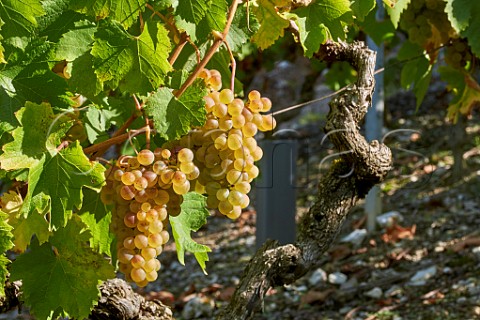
(234, 66)
(211, 51)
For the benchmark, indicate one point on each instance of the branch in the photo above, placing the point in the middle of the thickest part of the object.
(114, 140)
(348, 180)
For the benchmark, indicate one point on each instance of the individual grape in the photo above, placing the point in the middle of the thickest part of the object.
(187, 167)
(145, 157)
(150, 264)
(256, 105)
(165, 236)
(140, 183)
(155, 226)
(235, 197)
(138, 275)
(235, 108)
(137, 261)
(247, 114)
(151, 177)
(167, 176)
(151, 192)
(234, 176)
(125, 255)
(151, 276)
(182, 188)
(225, 207)
(148, 254)
(257, 154)
(234, 213)
(211, 124)
(155, 240)
(117, 174)
(225, 124)
(238, 121)
(249, 129)
(128, 178)
(220, 110)
(243, 186)
(267, 104)
(221, 142)
(185, 155)
(107, 196)
(254, 94)
(137, 174)
(222, 194)
(174, 210)
(194, 174)
(226, 96)
(141, 241)
(234, 141)
(151, 215)
(129, 243)
(245, 201)
(130, 220)
(268, 124)
(141, 215)
(179, 178)
(143, 226)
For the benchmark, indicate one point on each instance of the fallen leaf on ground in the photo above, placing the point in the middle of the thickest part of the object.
(396, 232)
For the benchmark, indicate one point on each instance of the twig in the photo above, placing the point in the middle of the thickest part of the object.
(114, 140)
(178, 49)
(216, 44)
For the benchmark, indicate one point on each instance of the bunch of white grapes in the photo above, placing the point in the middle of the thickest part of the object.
(145, 190)
(217, 159)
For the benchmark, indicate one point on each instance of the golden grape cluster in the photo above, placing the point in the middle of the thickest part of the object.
(217, 159)
(145, 190)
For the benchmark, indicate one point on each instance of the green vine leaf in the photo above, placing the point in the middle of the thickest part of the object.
(61, 277)
(173, 118)
(321, 21)
(97, 217)
(8, 107)
(40, 132)
(20, 16)
(192, 10)
(193, 216)
(396, 10)
(59, 179)
(140, 62)
(75, 42)
(361, 8)
(464, 16)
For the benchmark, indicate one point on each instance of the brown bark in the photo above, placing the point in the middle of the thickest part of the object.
(360, 166)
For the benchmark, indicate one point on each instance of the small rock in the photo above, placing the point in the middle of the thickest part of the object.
(447, 270)
(461, 300)
(388, 218)
(337, 278)
(198, 307)
(356, 237)
(420, 278)
(318, 276)
(375, 293)
(350, 284)
(394, 291)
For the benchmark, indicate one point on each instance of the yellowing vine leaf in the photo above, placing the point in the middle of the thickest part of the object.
(465, 100)
(272, 24)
